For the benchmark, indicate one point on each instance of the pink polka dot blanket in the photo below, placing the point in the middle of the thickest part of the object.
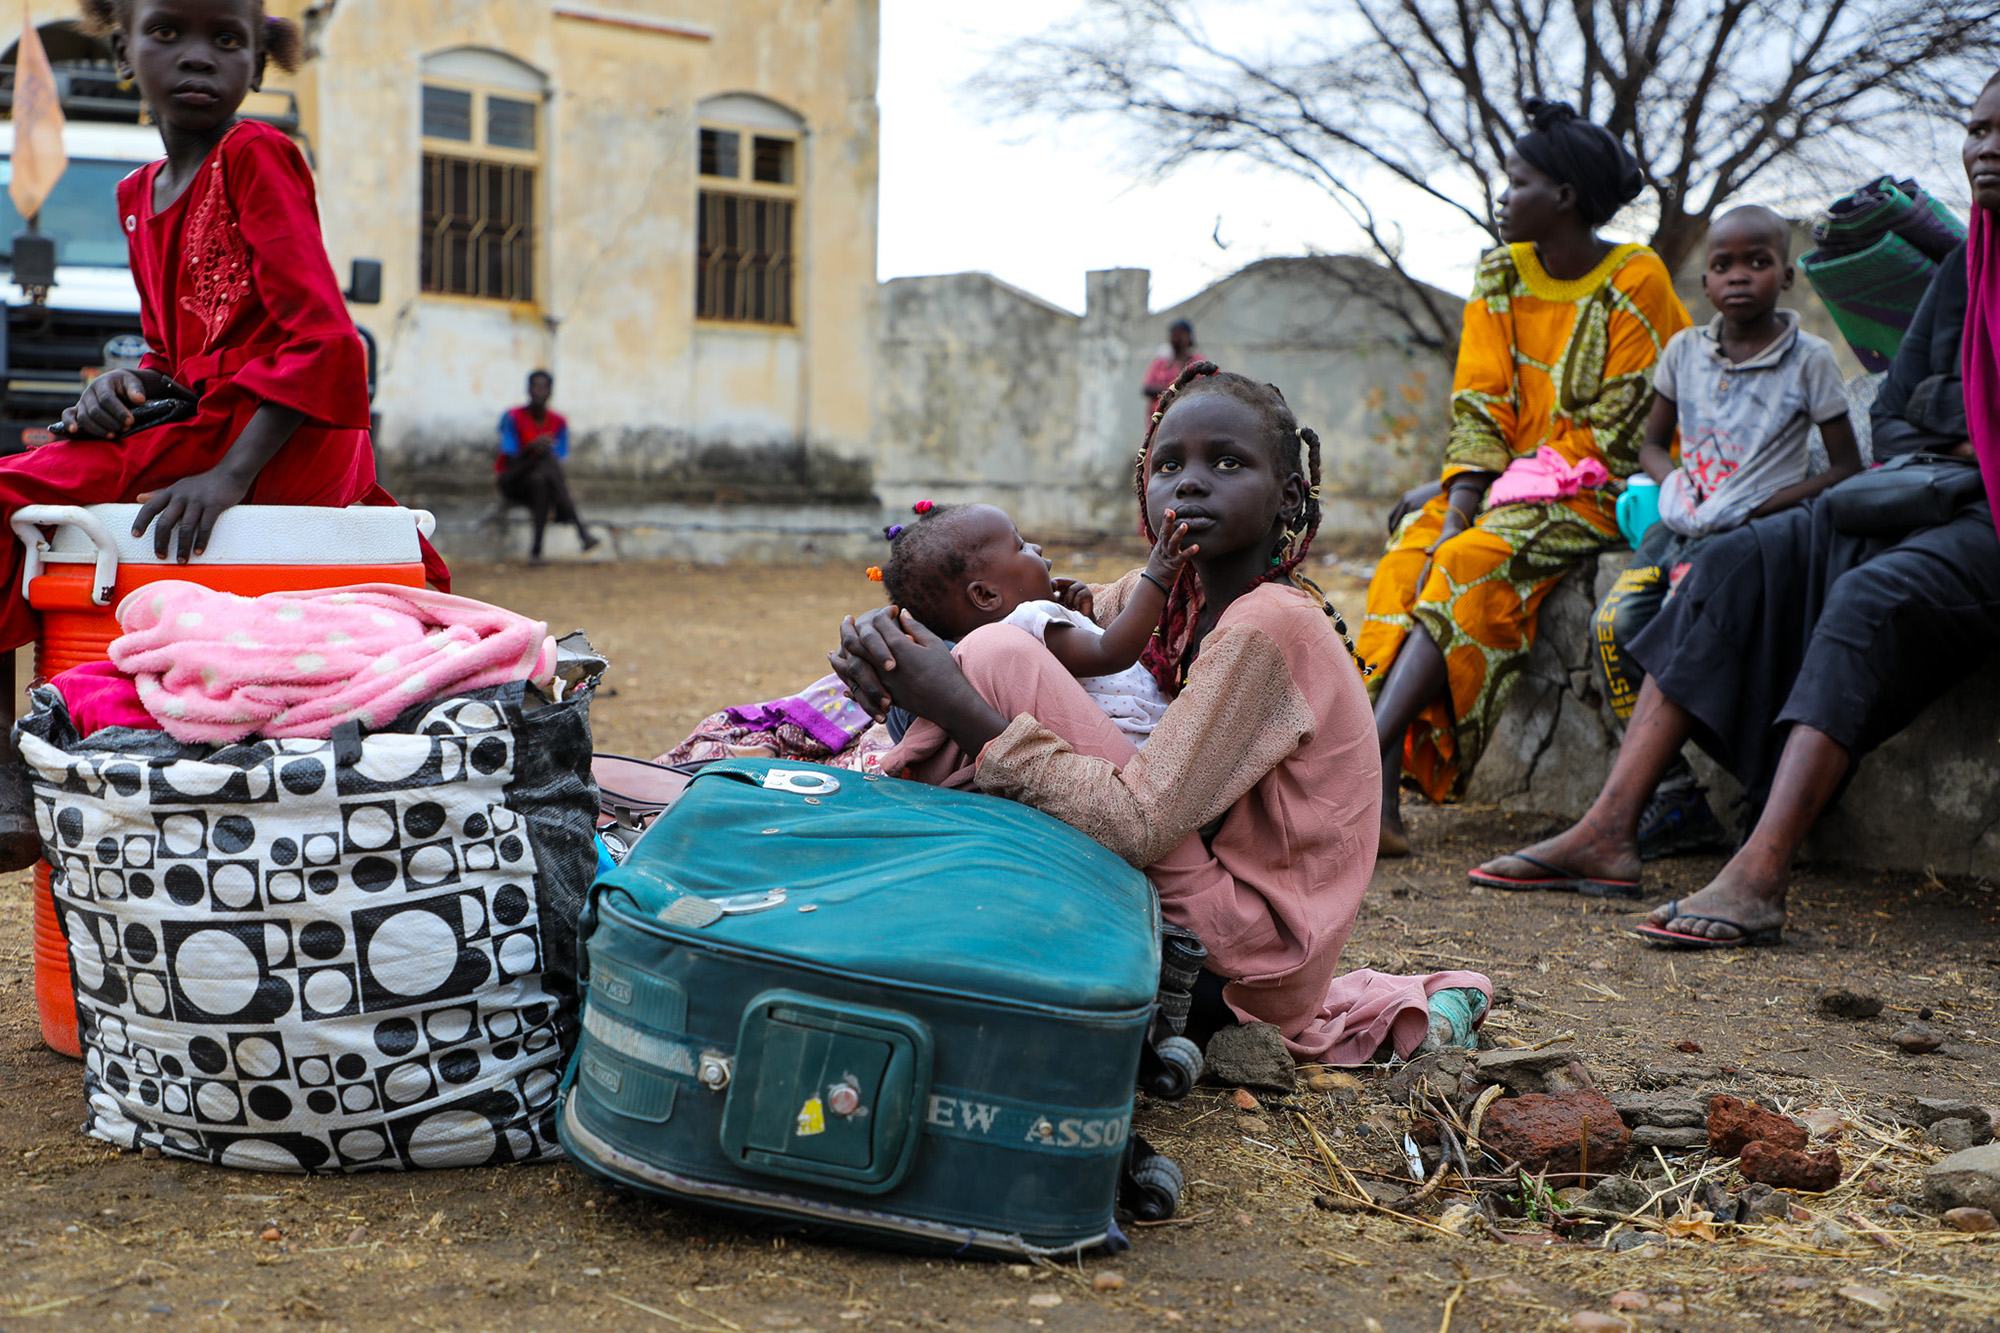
(214, 668)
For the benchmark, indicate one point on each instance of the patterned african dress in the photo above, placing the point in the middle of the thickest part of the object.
(1541, 362)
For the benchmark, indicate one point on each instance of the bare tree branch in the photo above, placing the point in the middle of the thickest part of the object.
(1379, 100)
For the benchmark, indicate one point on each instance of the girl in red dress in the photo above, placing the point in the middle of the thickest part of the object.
(240, 311)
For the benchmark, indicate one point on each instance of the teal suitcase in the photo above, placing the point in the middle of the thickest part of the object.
(870, 1006)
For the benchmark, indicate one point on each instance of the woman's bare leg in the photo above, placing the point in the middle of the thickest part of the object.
(1604, 844)
(1415, 681)
(1749, 894)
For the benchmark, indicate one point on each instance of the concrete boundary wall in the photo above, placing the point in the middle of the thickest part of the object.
(987, 392)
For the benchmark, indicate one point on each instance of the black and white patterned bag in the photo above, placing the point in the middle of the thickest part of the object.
(344, 955)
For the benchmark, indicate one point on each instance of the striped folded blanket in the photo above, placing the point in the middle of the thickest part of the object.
(1876, 249)
(1855, 221)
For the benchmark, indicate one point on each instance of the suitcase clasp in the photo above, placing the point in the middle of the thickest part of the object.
(742, 904)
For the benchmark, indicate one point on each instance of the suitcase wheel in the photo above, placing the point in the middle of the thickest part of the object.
(1153, 1188)
(1175, 1069)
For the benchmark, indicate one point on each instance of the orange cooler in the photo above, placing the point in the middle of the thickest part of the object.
(83, 560)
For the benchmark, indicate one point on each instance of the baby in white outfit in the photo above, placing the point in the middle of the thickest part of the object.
(958, 567)
(1131, 698)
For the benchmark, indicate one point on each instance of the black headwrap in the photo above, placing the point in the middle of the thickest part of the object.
(1582, 155)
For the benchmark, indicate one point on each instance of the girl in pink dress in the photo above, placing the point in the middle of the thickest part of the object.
(1256, 805)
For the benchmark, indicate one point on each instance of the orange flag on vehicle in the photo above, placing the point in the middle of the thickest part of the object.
(39, 156)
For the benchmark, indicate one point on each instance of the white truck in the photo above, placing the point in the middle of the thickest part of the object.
(91, 319)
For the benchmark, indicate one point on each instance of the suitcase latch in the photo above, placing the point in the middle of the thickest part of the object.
(800, 781)
(829, 1092)
(742, 904)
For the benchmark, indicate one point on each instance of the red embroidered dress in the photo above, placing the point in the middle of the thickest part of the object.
(238, 302)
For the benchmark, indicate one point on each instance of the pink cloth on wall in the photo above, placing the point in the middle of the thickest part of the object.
(216, 668)
(1256, 935)
(99, 695)
(1980, 352)
(1543, 476)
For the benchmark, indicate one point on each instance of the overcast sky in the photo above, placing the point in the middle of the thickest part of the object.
(1039, 204)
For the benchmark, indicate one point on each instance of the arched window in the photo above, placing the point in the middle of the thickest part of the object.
(748, 220)
(482, 141)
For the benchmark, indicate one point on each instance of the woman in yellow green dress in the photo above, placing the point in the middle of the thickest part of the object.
(1554, 379)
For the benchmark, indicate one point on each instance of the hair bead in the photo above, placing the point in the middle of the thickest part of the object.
(874, 573)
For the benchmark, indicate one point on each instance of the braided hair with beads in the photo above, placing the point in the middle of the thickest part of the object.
(1166, 653)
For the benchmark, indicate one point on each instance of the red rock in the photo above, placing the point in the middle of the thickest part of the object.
(1918, 1038)
(1544, 1132)
(1733, 1124)
(1971, 1219)
(1787, 1168)
(1596, 1321)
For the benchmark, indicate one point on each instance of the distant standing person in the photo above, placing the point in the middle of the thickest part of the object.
(1161, 375)
(534, 441)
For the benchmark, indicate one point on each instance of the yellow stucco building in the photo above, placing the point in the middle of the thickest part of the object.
(671, 204)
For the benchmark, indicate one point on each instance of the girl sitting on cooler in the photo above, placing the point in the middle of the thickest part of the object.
(241, 313)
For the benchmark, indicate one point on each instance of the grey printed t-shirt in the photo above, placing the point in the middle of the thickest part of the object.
(1744, 424)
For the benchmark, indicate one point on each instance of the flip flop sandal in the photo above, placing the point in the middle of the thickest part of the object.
(1555, 880)
(1662, 938)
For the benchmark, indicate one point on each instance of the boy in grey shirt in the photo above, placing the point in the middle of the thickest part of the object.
(1744, 392)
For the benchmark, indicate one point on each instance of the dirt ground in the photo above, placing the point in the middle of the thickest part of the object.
(92, 1237)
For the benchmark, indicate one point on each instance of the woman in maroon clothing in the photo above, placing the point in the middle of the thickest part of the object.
(1180, 353)
(241, 313)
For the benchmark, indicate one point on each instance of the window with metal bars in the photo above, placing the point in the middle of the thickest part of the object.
(479, 228)
(745, 265)
(481, 165)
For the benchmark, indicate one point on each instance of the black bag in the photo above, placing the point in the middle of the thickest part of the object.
(1905, 495)
(355, 954)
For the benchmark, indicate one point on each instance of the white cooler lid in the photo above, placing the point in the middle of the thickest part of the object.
(254, 535)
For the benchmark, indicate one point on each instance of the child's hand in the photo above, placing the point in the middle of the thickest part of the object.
(188, 507)
(1168, 554)
(1076, 595)
(1412, 500)
(104, 412)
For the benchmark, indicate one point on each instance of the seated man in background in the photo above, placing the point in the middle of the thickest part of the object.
(534, 441)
